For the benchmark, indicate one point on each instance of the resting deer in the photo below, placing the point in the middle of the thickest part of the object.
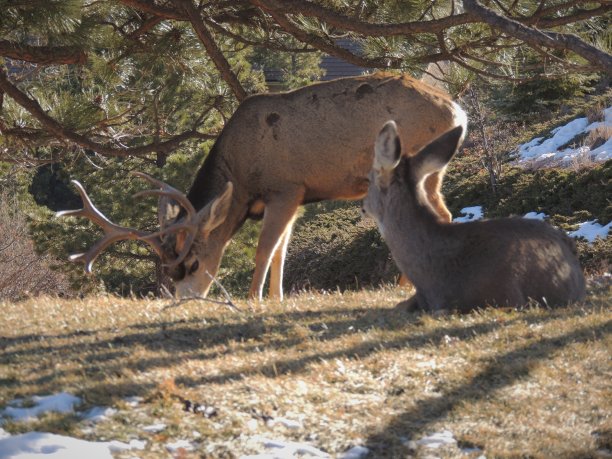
(277, 152)
(462, 266)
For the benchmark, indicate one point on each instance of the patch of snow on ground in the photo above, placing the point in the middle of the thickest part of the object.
(288, 423)
(470, 214)
(118, 446)
(179, 444)
(154, 428)
(438, 439)
(535, 215)
(133, 401)
(540, 149)
(284, 449)
(356, 452)
(34, 445)
(591, 230)
(59, 403)
(98, 414)
(561, 136)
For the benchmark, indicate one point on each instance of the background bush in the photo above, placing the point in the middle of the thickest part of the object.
(23, 271)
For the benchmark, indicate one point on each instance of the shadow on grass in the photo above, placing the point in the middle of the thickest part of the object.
(99, 360)
(501, 371)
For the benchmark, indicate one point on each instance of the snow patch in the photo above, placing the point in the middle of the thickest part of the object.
(154, 428)
(283, 449)
(288, 423)
(535, 215)
(35, 445)
(58, 403)
(470, 214)
(356, 452)
(98, 414)
(561, 136)
(591, 230)
(118, 446)
(178, 445)
(437, 440)
(540, 149)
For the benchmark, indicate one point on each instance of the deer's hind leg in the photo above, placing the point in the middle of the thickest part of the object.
(433, 183)
(275, 232)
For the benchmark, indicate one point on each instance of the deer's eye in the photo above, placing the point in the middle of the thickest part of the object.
(194, 267)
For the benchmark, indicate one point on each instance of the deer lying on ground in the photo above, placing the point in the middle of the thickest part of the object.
(462, 266)
(277, 152)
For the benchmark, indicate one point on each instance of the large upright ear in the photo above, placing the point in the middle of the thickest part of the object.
(215, 213)
(388, 148)
(437, 154)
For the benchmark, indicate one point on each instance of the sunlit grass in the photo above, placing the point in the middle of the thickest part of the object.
(350, 368)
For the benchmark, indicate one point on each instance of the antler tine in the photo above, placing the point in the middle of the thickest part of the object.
(191, 229)
(166, 190)
(89, 210)
(112, 232)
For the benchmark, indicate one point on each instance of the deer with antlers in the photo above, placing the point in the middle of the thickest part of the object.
(277, 152)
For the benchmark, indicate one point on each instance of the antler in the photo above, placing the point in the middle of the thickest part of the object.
(114, 232)
(166, 190)
(191, 223)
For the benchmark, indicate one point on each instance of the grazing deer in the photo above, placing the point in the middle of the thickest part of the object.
(462, 266)
(277, 152)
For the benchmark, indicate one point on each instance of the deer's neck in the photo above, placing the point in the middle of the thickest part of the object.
(210, 183)
(412, 231)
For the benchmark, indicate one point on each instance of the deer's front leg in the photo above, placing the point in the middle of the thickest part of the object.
(278, 263)
(277, 221)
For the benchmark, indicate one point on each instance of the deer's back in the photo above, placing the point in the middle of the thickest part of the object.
(503, 262)
(322, 136)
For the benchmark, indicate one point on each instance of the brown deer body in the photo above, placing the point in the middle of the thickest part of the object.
(462, 266)
(282, 150)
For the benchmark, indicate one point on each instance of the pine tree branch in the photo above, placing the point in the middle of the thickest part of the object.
(151, 8)
(212, 49)
(326, 46)
(535, 37)
(579, 15)
(43, 55)
(331, 17)
(63, 133)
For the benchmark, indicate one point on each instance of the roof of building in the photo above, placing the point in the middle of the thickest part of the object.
(334, 67)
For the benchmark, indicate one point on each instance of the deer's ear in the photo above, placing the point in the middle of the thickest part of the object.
(437, 154)
(387, 148)
(215, 213)
(167, 211)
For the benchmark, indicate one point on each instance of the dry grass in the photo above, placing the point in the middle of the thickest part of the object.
(351, 368)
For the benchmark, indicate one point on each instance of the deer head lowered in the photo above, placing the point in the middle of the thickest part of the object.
(462, 266)
(280, 151)
(185, 231)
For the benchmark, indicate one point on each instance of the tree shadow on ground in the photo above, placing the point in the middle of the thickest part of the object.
(106, 351)
(501, 371)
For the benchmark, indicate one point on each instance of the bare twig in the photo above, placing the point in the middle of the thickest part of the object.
(180, 301)
(225, 293)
